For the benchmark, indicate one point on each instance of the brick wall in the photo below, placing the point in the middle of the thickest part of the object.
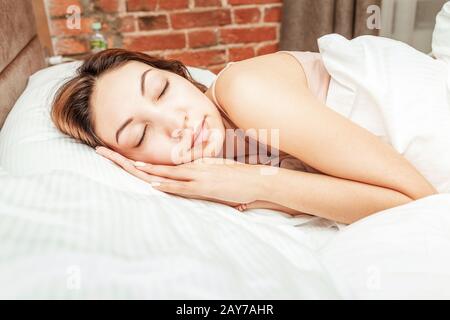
(203, 33)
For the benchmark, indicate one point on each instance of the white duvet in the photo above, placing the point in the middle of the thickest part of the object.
(73, 225)
(63, 235)
(397, 93)
(66, 236)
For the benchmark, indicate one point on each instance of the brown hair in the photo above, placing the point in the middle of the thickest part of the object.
(71, 110)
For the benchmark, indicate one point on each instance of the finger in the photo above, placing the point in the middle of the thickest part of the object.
(172, 172)
(104, 152)
(190, 194)
(128, 165)
(114, 156)
(242, 207)
(181, 188)
(117, 158)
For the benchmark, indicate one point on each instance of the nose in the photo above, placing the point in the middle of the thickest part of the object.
(176, 125)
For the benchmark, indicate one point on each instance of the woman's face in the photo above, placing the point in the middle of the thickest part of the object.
(152, 115)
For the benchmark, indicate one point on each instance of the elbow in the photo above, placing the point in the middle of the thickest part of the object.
(418, 190)
(401, 199)
(421, 193)
(398, 199)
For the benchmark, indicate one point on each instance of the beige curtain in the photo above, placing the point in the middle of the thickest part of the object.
(304, 21)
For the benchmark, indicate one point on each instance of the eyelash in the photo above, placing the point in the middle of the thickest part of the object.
(165, 89)
(145, 129)
(143, 136)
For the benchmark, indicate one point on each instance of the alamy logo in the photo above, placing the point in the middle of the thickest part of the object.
(73, 280)
(73, 17)
(374, 19)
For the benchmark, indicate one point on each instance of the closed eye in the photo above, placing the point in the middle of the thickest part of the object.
(164, 90)
(145, 128)
(142, 138)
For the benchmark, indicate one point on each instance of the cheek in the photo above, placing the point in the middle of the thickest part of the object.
(187, 95)
(158, 150)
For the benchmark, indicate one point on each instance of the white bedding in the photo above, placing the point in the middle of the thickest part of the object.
(397, 93)
(66, 236)
(74, 225)
(63, 235)
(441, 35)
(400, 253)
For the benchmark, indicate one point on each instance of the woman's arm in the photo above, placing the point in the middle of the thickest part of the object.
(329, 197)
(323, 196)
(354, 162)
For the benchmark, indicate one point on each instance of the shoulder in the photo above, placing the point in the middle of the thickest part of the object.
(273, 66)
(257, 78)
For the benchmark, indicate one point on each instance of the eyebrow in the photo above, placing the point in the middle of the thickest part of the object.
(121, 128)
(143, 80)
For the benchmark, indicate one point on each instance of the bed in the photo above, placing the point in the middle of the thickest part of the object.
(75, 226)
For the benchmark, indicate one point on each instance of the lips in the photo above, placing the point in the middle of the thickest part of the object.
(196, 134)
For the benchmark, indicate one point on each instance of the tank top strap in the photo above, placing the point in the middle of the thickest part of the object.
(315, 71)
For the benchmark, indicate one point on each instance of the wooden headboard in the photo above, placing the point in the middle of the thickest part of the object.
(20, 51)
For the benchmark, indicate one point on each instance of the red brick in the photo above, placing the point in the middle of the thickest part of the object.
(58, 27)
(155, 42)
(141, 5)
(272, 14)
(111, 41)
(208, 3)
(247, 15)
(202, 38)
(108, 6)
(241, 2)
(173, 4)
(246, 35)
(200, 19)
(236, 54)
(153, 22)
(266, 49)
(58, 8)
(126, 24)
(200, 58)
(68, 46)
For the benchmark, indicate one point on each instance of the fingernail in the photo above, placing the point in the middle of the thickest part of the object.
(139, 164)
(155, 184)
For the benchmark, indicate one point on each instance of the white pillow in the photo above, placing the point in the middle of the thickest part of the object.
(441, 34)
(399, 253)
(30, 143)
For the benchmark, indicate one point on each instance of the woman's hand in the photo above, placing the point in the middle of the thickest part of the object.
(261, 204)
(215, 179)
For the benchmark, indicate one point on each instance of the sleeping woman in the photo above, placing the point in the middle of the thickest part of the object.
(150, 117)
